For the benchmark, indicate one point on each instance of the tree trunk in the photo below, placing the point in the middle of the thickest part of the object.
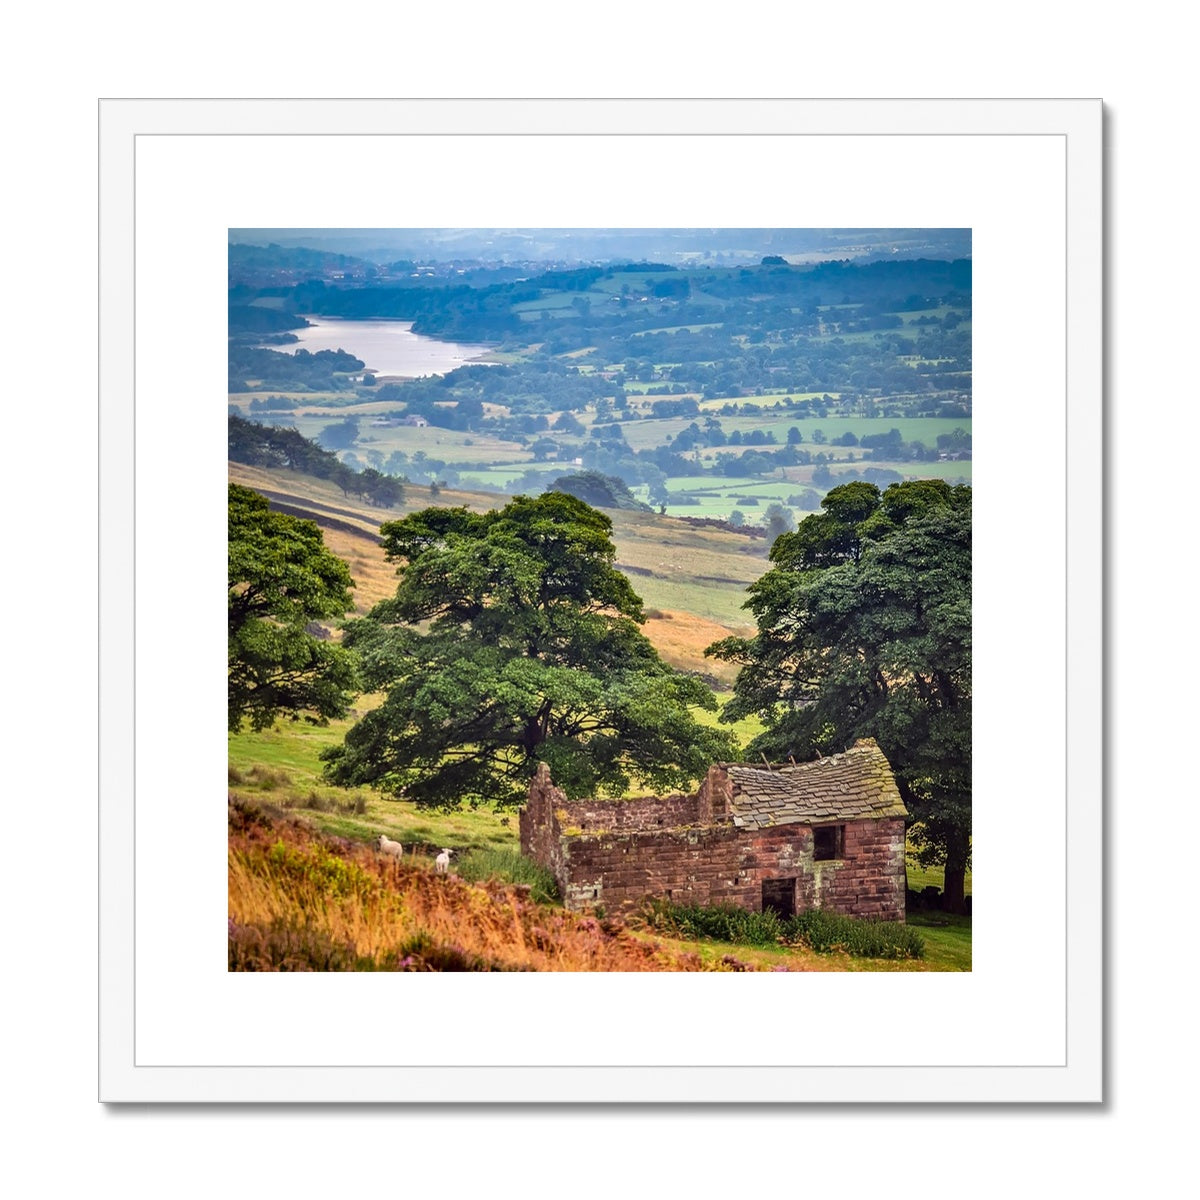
(953, 895)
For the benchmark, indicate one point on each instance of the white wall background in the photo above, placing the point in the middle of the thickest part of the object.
(60, 63)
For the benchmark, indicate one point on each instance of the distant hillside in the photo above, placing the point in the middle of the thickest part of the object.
(596, 245)
(692, 579)
(247, 260)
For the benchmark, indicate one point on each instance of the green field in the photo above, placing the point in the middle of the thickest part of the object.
(488, 461)
(280, 768)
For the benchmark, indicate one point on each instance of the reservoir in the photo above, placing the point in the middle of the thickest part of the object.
(387, 347)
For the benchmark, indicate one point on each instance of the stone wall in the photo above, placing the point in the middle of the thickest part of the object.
(712, 801)
(549, 820)
(686, 850)
(720, 864)
(541, 833)
(640, 812)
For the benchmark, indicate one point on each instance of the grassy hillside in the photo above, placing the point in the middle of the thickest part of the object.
(694, 578)
(302, 902)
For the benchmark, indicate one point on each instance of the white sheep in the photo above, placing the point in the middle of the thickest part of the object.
(385, 845)
(442, 861)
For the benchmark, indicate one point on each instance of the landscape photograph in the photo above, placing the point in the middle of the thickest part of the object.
(599, 600)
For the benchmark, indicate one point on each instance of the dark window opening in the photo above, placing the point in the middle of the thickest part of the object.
(829, 842)
(779, 896)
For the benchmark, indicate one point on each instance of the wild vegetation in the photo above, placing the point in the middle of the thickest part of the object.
(299, 901)
(819, 931)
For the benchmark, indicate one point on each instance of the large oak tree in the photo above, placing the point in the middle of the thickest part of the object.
(864, 630)
(512, 638)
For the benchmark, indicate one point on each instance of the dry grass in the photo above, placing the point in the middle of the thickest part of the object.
(300, 901)
(680, 638)
(349, 527)
(698, 576)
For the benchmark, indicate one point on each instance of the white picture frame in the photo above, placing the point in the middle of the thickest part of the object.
(1027, 1023)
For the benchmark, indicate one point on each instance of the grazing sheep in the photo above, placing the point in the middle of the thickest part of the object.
(443, 861)
(385, 845)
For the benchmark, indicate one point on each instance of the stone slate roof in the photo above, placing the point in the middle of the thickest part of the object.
(853, 786)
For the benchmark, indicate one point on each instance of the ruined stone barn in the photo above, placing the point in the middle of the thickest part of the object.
(825, 834)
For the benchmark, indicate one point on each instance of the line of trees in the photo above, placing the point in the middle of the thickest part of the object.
(277, 447)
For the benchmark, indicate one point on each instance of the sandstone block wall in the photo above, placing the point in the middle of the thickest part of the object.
(720, 864)
(686, 850)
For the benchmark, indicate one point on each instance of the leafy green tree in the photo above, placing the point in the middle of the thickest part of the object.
(339, 436)
(864, 630)
(597, 489)
(281, 578)
(778, 520)
(383, 491)
(569, 424)
(513, 639)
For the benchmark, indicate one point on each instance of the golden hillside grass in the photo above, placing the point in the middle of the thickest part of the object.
(680, 639)
(302, 902)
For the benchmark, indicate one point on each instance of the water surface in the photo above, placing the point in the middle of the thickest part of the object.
(387, 347)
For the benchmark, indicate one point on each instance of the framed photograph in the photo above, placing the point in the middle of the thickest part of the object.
(680, 347)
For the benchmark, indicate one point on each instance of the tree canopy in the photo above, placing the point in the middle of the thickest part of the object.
(513, 639)
(281, 578)
(596, 488)
(864, 630)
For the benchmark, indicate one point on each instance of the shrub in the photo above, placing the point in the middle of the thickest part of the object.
(721, 922)
(820, 931)
(318, 866)
(510, 866)
(421, 952)
(283, 947)
(245, 815)
(824, 931)
(266, 779)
